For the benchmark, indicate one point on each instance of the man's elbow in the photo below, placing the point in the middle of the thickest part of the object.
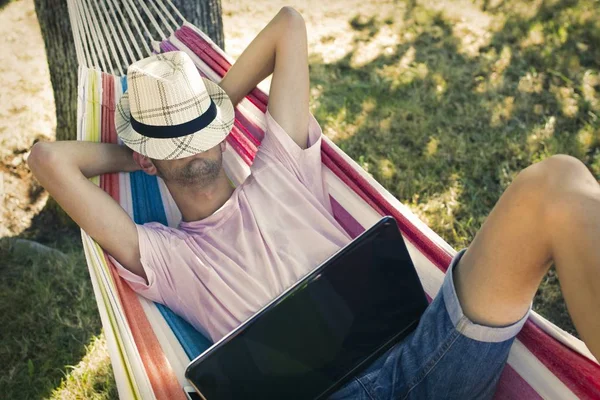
(41, 158)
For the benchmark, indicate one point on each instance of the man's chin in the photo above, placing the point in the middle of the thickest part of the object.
(201, 171)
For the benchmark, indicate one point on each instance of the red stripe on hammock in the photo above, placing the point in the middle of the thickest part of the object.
(160, 373)
(544, 346)
(574, 368)
(243, 137)
(239, 145)
(251, 130)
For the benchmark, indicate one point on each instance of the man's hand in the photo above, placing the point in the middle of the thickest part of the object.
(63, 168)
(280, 48)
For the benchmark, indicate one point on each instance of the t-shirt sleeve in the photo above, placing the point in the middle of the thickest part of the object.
(279, 150)
(155, 240)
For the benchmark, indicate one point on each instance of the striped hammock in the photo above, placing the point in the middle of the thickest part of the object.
(149, 345)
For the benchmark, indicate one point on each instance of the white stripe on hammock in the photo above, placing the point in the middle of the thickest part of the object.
(153, 21)
(131, 11)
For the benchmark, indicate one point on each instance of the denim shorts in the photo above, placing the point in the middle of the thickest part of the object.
(446, 357)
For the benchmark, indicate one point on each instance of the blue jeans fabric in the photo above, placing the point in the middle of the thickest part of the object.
(446, 357)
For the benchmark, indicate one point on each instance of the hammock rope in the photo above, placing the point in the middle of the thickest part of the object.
(112, 37)
(104, 34)
(149, 345)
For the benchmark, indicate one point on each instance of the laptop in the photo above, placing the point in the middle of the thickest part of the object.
(326, 328)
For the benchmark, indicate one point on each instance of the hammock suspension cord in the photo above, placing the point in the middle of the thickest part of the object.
(109, 35)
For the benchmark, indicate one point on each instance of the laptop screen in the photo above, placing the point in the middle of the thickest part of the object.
(322, 331)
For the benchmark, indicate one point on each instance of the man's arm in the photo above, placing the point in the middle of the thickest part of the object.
(280, 48)
(63, 168)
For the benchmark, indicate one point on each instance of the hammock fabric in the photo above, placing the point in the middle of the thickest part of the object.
(150, 346)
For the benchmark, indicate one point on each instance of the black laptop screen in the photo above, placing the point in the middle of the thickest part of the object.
(334, 322)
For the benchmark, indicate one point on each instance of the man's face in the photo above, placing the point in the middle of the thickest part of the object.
(197, 170)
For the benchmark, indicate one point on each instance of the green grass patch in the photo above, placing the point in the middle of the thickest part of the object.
(49, 322)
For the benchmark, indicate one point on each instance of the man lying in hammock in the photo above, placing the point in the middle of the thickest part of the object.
(236, 249)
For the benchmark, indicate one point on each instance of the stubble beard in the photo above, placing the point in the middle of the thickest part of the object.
(199, 172)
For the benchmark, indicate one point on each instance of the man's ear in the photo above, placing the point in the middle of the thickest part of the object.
(145, 163)
(223, 146)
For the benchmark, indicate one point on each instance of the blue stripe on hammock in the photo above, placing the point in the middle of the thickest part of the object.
(148, 207)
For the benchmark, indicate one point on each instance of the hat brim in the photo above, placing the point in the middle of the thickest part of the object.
(183, 146)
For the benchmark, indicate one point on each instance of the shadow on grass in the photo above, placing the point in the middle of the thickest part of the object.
(446, 133)
(47, 312)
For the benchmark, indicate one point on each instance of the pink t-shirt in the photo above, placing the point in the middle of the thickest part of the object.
(275, 228)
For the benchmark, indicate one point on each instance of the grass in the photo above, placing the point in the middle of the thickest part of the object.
(50, 323)
(446, 127)
(443, 108)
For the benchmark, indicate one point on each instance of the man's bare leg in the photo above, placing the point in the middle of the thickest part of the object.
(551, 212)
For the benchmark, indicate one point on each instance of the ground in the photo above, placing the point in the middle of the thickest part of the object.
(443, 102)
(27, 114)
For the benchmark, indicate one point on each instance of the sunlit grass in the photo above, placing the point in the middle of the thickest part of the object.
(463, 102)
(91, 377)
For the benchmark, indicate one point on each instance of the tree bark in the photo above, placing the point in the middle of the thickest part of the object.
(206, 15)
(62, 60)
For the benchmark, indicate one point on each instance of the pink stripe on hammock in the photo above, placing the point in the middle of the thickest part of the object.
(108, 132)
(579, 374)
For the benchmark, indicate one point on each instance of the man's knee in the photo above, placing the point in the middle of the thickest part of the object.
(558, 184)
(556, 171)
(555, 175)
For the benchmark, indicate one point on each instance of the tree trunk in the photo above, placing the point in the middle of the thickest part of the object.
(206, 15)
(62, 60)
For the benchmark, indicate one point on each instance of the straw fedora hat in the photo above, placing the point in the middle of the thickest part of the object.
(169, 111)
